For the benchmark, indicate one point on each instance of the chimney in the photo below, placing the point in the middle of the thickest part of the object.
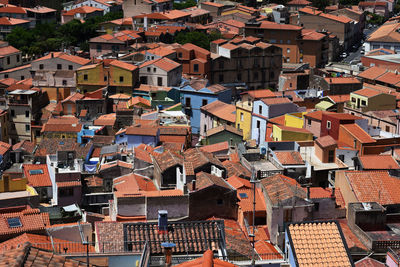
(308, 192)
(168, 253)
(193, 184)
(162, 221)
(52, 55)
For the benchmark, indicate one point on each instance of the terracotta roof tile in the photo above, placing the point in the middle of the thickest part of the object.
(142, 130)
(94, 181)
(276, 101)
(168, 159)
(12, 21)
(289, 157)
(132, 183)
(69, 184)
(353, 242)
(24, 145)
(204, 180)
(218, 147)
(326, 141)
(374, 186)
(117, 163)
(224, 127)
(81, 10)
(358, 133)
(31, 220)
(299, 2)
(163, 63)
(324, 236)
(200, 158)
(389, 78)
(4, 147)
(64, 56)
(238, 182)
(337, 18)
(342, 80)
(123, 65)
(369, 262)
(372, 73)
(246, 198)
(213, 4)
(257, 94)
(105, 120)
(378, 162)
(280, 187)
(207, 260)
(236, 169)
(37, 175)
(221, 110)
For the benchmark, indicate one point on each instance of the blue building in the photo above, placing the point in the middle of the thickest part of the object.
(194, 96)
(87, 133)
(134, 136)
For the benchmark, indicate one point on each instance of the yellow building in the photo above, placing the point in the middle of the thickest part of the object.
(295, 120)
(110, 27)
(11, 183)
(243, 118)
(120, 77)
(368, 99)
(285, 133)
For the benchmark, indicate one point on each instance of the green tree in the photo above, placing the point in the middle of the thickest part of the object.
(186, 4)
(197, 38)
(320, 4)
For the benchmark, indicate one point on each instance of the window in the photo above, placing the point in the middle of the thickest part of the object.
(221, 77)
(195, 67)
(148, 69)
(271, 74)
(328, 124)
(241, 116)
(8, 61)
(316, 206)
(187, 102)
(70, 67)
(85, 77)
(154, 69)
(331, 156)
(220, 201)
(387, 128)
(5, 76)
(287, 215)
(27, 114)
(41, 66)
(205, 128)
(204, 102)
(239, 77)
(14, 222)
(22, 77)
(288, 51)
(353, 99)
(363, 103)
(17, 58)
(59, 66)
(159, 81)
(290, 85)
(309, 122)
(98, 48)
(258, 124)
(255, 75)
(180, 54)
(27, 127)
(34, 172)
(12, 113)
(121, 79)
(259, 109)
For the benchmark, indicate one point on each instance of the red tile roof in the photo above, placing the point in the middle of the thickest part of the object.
(289, 157)
(367, 92)
(238, 182)
(358, 133)
(213, 4)
(45, 243)
(207, 260)
(319, 192)
(367, 261)
(7, 50)
(280, 187)
(204, 180)
(342, 80)
(12, 21)
(105, 120)
(117, 163)
(132, 183)
(256, 94)
(221, 110)
(246, 198)
(81, 10)
(12, 9)
(378, 162)
(326, 141)
(299, 2)
(31, 220)
(4, 147)
(142, 130)
(37, 175)
(216, 147)
(374, 186)
(163, 63)
(64, 56)
(337, 18)
(123, 65)
(276, 101)
(69, 184)
(353, 243)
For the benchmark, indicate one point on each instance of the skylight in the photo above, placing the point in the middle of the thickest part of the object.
(33, 172)
(243, 195)
(14, 222)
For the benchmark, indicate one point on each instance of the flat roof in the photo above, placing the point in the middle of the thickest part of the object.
(22, 92)
(395, 58)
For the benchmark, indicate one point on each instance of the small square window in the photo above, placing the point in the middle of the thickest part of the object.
(204, 102)
(148, 69)
(328, 124)
(85, 77)
(27, 114)
(27, 127)
(70, 67)
(154, 69)
(64, 82)
(59, 66)
(220, 201)
(41, 66)
(121, 79)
